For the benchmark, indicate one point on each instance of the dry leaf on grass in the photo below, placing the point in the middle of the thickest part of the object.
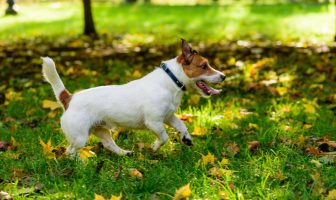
(52, 105)
(85, 153)
(198, 131)
(233, 149)
(116, 197)
(208, 159)
(253, 145)
(182, 193)
(47, 149)
(135, 173)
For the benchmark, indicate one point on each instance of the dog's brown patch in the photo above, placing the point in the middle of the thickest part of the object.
(65, 98)
(193, 64)
(197, 67)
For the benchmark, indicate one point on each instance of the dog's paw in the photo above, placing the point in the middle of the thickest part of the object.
(127, 153)
(187, 141)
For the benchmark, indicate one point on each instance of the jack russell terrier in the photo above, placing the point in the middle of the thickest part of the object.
(148, 102)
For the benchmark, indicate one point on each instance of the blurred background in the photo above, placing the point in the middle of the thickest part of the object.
(167, 20)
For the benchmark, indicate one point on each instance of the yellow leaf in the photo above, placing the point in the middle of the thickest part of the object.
(331, 195)
(194, 99)
(182, 193)
(301, 139)
(116, 197)
(85, 153)
(208, 159)
(198, 131)
(98, 197)
(219, 172)
(52, 105)
(14, 142)
(307, 126)
(233, 125)
(309, 108)
(136, 74)
(281, 90)
(253, 126)
(224, 162)
(135, 173)
(47, 149)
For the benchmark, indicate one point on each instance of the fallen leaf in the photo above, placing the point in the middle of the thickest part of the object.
(233, 149)
(219, 172)
(301, 139)
(223, 195)
(253, 145)
(280, 177)
(287, 128)
(186, 117)
(52, 105)
(313, 150)
(182, 193)
(331, 195)
(253, 126)
(116, 197)
(136, 74)
(318, 187)
(85, 153)
(47, 149)
(281, 90)
(5, 145)
(98, 197)
(309, 108)
(307, 126)
(316, 163)
(117, 173)
(135, 173)
(198, 131)
(208, 159)
(5, 196)
(224, 162)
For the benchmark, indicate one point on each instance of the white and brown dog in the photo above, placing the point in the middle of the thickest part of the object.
(148, 102)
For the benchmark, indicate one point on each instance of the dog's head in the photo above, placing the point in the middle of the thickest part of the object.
(199, 71)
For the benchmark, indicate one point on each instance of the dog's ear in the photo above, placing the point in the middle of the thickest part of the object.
(187, 52)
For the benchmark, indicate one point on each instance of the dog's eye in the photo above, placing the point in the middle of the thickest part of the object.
(204, 66)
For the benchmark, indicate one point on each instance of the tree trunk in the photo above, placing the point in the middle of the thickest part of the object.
(335, 21)
(10, 10)
(89, 28)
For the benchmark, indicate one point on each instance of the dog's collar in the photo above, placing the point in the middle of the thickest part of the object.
(173, 77)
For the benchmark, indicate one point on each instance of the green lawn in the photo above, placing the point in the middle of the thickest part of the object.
(288, 117)
(146, 23)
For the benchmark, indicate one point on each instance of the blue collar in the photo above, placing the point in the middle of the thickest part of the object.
(173, 77)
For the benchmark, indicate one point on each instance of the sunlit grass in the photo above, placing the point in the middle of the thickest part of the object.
(288, 22)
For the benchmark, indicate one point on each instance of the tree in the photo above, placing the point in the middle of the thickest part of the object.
(89, 27)
(10, 10)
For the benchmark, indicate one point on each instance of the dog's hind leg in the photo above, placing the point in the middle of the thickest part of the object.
(158, 129)
(105, 135)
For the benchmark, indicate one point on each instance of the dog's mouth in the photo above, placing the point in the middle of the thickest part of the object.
(206, 89)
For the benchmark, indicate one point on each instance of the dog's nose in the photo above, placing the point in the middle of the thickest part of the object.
(223, 77)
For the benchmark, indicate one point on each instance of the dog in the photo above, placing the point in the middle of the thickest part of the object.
(149, 102)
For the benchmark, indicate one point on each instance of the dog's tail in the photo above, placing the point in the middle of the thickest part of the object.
(50, 74)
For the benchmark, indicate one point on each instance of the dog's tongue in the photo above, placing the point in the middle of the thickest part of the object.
(207, 89)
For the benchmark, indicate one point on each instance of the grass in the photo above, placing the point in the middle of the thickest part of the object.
(279, 169)
(152, 23)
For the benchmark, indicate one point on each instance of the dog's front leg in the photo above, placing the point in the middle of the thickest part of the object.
(158, 129)
(176, 123)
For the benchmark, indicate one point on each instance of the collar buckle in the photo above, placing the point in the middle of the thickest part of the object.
(173, 77)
